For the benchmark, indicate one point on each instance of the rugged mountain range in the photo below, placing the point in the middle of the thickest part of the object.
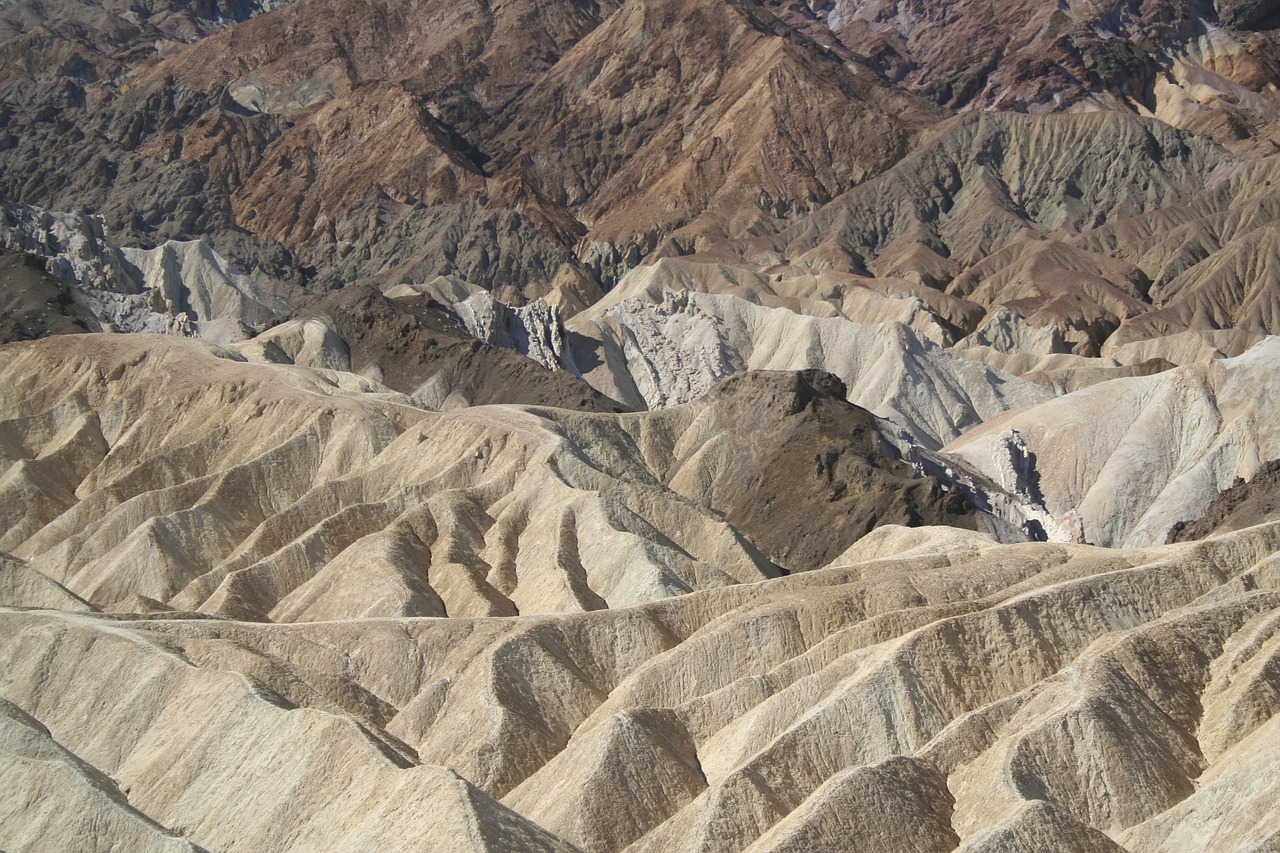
(587, 425)
(545, 140)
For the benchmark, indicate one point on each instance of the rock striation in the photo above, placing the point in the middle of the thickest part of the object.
(1120, 463)
(535, 330)
(657, 352)
(779, 715)
(360, 491)
(415, 344)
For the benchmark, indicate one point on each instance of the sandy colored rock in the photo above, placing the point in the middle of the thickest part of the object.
(51, 800)
(1123, 461)
(999, 697)
(22, 586)
(687, 435)
(324, 462)
(659, 353)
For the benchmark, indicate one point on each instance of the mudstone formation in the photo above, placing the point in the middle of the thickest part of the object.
(688, 425)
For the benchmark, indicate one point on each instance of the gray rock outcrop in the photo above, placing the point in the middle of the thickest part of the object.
(177, 287)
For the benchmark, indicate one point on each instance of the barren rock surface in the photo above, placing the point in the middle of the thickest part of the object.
(908, 697)
(1121, 462)
(640, 425)
(924, 683)
(34, 304)
(673, 349)
(181, 288)
(417, 344)
(1244, 504)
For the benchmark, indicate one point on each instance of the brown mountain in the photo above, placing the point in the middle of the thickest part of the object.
(34, 304)
(521, 143)
(454, 122)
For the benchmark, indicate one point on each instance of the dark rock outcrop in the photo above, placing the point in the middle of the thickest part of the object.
(34, 304)
(414, 343)
(1245, 504)
(804, 473)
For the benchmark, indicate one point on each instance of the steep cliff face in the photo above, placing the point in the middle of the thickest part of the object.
(654, 354)
(1120, 463)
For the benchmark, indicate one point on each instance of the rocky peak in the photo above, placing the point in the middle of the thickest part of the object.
(788, 392)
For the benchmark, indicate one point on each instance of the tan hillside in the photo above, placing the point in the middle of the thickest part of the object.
(997, 697)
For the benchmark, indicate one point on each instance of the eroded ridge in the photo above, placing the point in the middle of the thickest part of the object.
(997, 697)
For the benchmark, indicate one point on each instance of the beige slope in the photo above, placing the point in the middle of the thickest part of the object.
(50, 800)
(1065, 373)
(896, 805)
(22, 586)
(191, 278)
(1232, 808)
(1119, 463)
(269, 491)
(310, 342)
(206, 750)
(1039, 826)
(996, 696)
(1187, 347)
(232, 488)
(933, 315)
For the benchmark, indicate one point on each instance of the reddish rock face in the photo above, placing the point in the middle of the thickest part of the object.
(541, 141)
